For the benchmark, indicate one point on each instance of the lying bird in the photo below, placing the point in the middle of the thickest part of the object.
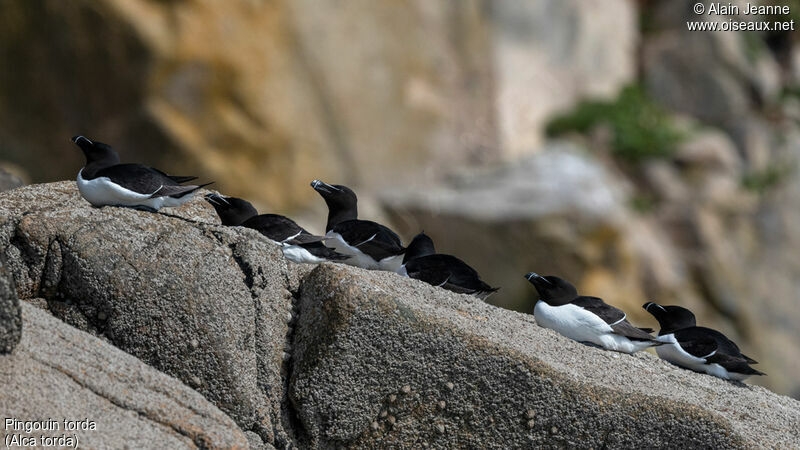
(421, 262)
(104, 181)
(371, 245)
(585, 319)
(698, 348)
(298, 245)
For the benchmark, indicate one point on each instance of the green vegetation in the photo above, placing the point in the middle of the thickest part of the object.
(644, 203)
(641, 129)
(766, 179)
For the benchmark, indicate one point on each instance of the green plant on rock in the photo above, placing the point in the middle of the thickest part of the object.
(764, 180)
(640, 128)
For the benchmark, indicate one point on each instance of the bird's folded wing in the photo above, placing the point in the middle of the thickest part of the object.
(305, 238)
(371, 238)
(597, 306)
(696, 344)
(624, 328)
(174, 191)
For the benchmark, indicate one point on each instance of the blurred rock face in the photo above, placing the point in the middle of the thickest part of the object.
(264, 96)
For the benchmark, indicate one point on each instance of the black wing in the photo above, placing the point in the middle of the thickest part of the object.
(701, 341)
(177, 191)
(137, 178)
(450, 273)
(176, 178)
(318, 249)
(733, 364)
(614, 317)
(274, 226)
(697, 342)
(598, 307)
(371, 238)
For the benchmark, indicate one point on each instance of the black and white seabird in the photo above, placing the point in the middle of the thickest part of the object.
(104, 181)
(698, 348)
(421, 262)
(298, 245)
(585, 319)
(371, 245)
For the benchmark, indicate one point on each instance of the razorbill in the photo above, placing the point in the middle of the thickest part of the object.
(371, 245)
(585, 319)
(421, 262)
(104, 181)
(298, 245)
(698, 348)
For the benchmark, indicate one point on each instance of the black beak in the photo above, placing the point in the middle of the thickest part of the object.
(531, 276)
(647, 306)
(320, 186)
(215, 199)
(78, 139)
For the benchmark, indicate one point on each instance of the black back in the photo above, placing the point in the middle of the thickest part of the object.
(601, 309)
(103, 161)
(421, 245)
(276, 227)
(700, 342)
(448, 272)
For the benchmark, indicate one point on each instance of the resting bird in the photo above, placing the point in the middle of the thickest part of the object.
(298, 245)
(698, 348)
(104, 181)
(421, 262)
(585, 319)
(371, 245)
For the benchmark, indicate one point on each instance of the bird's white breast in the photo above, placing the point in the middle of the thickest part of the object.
(571, 321)
(300, 255)
(671, 351)
(357, 257)
(101, 191)
(581, 325)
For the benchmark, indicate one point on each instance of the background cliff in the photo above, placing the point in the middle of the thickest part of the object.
(601, 141)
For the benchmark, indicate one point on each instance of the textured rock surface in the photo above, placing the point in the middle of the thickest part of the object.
(59, 372)
(382, 361)
(704, 241)
(204, 303)
(10, 315)
(319, 357)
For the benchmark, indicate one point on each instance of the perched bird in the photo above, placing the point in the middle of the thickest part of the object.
(298, 245)
(421, 262)
(698, 348)
(371, 245)
(585, 319)
(104, 181)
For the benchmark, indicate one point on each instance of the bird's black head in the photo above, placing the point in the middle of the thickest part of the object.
(552, 290)
(232, 211)
(341, 201)
(421, 245)
(98, 154)
(671, 318)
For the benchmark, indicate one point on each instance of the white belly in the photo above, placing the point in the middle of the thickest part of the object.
(101, 191)
(357, 257)
(298, 254)
(673, 353)
(576, 323)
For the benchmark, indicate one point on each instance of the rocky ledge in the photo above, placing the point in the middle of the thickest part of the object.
(175, 329)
